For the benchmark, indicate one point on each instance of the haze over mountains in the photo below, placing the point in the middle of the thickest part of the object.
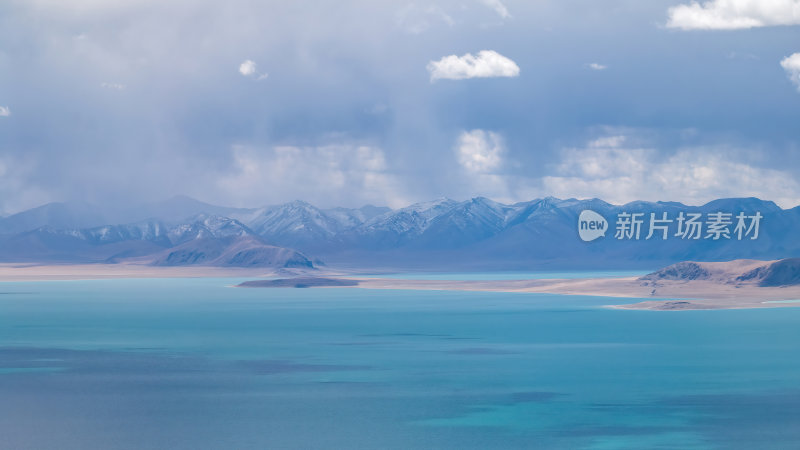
(443, 234)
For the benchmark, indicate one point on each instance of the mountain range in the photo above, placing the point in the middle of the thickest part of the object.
(443, 234)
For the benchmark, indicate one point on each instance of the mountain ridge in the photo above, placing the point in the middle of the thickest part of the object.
(478, 233)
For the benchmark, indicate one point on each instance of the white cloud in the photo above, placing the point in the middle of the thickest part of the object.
(4, 111)
(116, 86)
(479, 151)
(597, 66)
(349, 175)
(481, 157)
(734, 14)
(498, 7)
(608, 142)
(791, 64)
(249, 68)
(487, 63)
(695, 176)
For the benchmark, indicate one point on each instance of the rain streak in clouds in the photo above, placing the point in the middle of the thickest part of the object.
(390, 103)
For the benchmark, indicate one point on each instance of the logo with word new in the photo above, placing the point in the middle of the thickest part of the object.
(591, 225)
(686, 225)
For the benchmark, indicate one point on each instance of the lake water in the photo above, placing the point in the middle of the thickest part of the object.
(196, 364)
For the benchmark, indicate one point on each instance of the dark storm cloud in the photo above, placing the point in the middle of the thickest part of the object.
(114, 101)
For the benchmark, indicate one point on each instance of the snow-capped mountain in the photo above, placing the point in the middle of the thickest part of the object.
(470, 221)
(412, 219)
(79, 215)
(349, 218)
(297, 220)
(444, 233)
(206, 227)
(153, 231)
(300, 224)
(203, 239)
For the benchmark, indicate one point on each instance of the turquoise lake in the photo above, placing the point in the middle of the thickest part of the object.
(197, 364)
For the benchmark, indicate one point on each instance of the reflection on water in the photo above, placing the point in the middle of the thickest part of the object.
(194, 364)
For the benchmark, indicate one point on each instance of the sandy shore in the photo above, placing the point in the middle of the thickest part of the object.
(663, 295)
(31, 272)
(660, 295)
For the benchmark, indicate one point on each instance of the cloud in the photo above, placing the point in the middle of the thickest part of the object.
(742, 55)
(481, 158)
(416, 19)
(479, 151)
(596, 66)
(607, 170)
(498, 7)
(734, 14)
(487, 64)
(115, 86)
(16, 191)
(791, 64)
(608, 142)
(349, 68)
(4, 111)
(249, 68)
(332, 175)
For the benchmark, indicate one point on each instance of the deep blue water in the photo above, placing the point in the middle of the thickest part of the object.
(195, 364)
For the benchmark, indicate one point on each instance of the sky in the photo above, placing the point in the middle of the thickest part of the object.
(252, 103)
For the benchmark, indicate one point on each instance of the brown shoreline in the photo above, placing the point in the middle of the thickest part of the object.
(659, 295)
(662, 295)
(53, 272)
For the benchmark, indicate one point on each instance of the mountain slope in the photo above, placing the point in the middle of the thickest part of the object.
(294, 224)
(784, 272)
(208, 240)
(56, 215)
(230, 251)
